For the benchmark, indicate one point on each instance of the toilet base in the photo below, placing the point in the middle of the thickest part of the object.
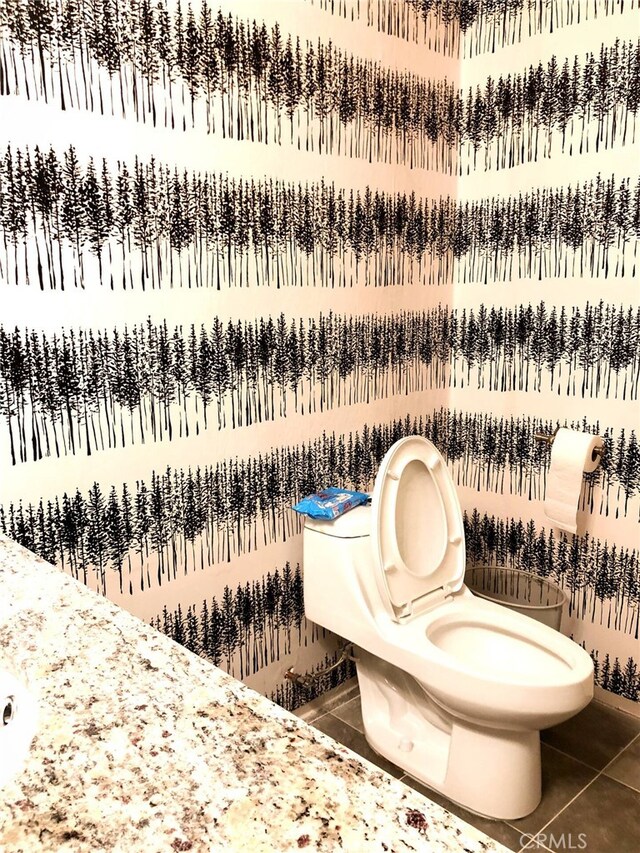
(493, 772)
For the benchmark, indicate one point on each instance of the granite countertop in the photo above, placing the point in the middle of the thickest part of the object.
(143, 746)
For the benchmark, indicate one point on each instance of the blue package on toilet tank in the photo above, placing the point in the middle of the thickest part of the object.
(330, 503)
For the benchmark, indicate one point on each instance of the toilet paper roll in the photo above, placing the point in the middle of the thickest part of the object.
(18, 720)
(571, 456)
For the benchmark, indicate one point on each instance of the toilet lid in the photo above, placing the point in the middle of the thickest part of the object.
(416, 528)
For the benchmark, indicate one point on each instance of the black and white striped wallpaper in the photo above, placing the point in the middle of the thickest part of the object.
(240, 257)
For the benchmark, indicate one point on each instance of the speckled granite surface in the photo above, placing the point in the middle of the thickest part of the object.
(143, 746)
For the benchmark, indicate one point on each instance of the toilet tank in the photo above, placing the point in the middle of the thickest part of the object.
(336, 562)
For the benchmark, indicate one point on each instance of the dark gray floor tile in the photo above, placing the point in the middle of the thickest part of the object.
(605, 811)
(355, 740)
(562, 778)
(595, 735)
(351, 713)
(626, 767)
(536, 846)
(607, 816)
(496, 829)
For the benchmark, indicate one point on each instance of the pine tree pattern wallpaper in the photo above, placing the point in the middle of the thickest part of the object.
(551, 95)
(224, 244)
(245, 246)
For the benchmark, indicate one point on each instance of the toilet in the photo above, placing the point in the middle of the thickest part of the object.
(454, 689)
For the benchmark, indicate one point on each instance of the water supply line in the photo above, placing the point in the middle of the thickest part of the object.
(307, 680)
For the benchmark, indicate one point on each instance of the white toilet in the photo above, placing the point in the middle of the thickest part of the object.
(454, 689)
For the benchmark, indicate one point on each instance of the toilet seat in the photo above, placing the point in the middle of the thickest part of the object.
(417, 565)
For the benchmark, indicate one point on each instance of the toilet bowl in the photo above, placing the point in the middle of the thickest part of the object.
(454, 688)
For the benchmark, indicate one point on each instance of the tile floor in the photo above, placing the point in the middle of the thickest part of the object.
(590, 778)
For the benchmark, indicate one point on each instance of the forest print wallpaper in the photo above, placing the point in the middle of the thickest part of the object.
(240, 257)
(554, 89)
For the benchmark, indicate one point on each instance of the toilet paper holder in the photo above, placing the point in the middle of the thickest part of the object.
(548, 439)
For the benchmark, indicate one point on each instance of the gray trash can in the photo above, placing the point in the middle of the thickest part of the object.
(520, 591)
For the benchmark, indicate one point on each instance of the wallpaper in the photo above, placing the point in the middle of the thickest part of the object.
(222, 233)
(246, 246)
(552, 89)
